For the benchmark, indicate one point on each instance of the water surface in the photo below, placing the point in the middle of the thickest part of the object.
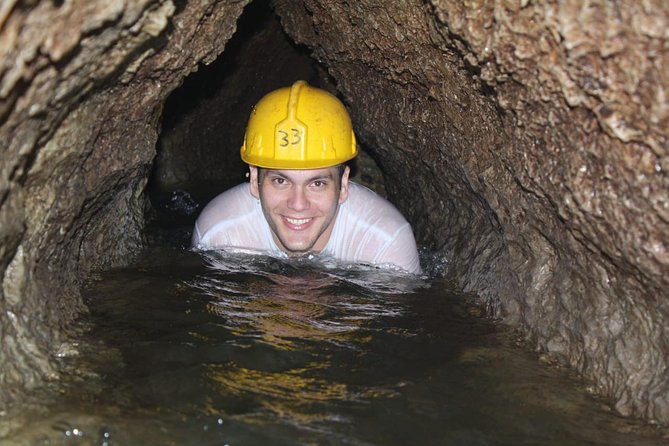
(187, 349)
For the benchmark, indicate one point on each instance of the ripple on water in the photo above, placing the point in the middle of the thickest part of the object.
(195, 349)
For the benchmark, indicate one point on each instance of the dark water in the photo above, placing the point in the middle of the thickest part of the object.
(187, 350)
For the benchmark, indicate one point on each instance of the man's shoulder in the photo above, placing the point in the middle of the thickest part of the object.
(241, 189)
(368, 204)
(233, 203)
(372, 230)
(357, 191)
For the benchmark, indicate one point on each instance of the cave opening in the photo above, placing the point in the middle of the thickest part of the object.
(204, 120)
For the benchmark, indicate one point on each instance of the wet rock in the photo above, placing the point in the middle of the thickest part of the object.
(529, 141)
(81, 91)
(525, 140)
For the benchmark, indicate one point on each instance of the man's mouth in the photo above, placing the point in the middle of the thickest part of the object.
(297, 223)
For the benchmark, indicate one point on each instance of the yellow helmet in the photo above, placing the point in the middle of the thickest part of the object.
(299, 127)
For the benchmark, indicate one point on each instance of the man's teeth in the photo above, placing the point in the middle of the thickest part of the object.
(297, 222)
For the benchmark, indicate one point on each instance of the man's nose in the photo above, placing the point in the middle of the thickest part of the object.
(298, 200)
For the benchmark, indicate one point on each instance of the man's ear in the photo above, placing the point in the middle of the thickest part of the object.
(253, 182)
(343, 190)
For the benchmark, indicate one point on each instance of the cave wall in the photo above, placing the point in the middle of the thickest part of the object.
(82, 86)
(527, 140)
(205, 118)
(524, 140)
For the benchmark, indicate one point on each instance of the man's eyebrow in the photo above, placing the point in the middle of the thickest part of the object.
(275, 173)
(327, 176)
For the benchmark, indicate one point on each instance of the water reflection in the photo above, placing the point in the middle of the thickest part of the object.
(248, 350)
(283, 301)
(298, 305)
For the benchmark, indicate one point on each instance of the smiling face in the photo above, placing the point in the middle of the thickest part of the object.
(300, 205)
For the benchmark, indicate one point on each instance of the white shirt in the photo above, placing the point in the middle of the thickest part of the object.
(368, 229)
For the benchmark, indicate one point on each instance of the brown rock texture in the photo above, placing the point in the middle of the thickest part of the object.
(82, 84)
(204, 120)
(526, 141)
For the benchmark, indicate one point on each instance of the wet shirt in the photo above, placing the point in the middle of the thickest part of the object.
(368, 229)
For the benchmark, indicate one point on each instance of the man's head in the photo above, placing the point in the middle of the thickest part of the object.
(300, 206)
(296, 143)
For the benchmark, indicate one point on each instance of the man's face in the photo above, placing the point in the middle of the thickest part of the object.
(300, 205)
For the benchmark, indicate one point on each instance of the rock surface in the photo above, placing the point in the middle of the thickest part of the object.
(82, 86)
(525, 140)
(529, 141)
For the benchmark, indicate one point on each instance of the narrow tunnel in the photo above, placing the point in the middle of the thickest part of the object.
(204, 120)
(525, 142)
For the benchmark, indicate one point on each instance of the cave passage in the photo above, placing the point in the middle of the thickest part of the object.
(204, 120)
(526, 143)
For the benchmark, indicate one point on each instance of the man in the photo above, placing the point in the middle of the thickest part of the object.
(299, 199)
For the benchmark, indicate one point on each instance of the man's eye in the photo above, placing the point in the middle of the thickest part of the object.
(319, 183)
(278, 181)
